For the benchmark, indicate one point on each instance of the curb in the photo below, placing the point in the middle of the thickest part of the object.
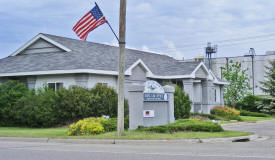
(118, 141)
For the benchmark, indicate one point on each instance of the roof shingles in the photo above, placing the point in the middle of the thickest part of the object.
(89, 55)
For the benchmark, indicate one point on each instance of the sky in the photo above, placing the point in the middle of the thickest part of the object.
(177, 28)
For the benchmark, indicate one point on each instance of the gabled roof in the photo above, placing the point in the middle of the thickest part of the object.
(89, 57)
(34, 39)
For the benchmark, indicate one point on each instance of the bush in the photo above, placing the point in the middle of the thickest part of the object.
(184, 125)
(209, 116)
(106, 101)
(87, 126)
(253, 114)
(73, 104)
(111, 124)
(91, 126)
(37, 109)
(248, 103)
(182, 104)
(48, 108)
(10, 93)
(227, 113)
(266, 104)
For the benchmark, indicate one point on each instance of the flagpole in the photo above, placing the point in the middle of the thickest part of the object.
(109, 26)
(121, 68)
(112, 31)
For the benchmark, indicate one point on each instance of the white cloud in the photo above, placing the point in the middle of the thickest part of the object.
(159, 26)
(172, 50)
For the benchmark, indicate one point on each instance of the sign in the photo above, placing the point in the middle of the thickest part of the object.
(155, 97)
(148, 113)
(153, 87)
(154, 92)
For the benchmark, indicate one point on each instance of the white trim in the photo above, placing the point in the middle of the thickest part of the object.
(36, 38)
(197, 81)
(92, 71)
(149, 74)
(205, 68)
(216, 81)
(171, 77)
(129, 70)
(55, 88)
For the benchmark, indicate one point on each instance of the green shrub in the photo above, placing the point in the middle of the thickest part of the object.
(37, 109)
(10, 93)
(111, 124)
(266, 104)
(106, 101)
(48, 108)
(248, 103)
(209, 116)
(184, 125)
(73, 104)
(90, 126)
(253, 114)
(182, 104)
(227, 113)
(87, 126)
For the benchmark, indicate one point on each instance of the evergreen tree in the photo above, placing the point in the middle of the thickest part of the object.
(269, 84)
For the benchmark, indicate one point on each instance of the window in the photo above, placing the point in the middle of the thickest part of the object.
(51, 85)
(103, 84)
(55, 86)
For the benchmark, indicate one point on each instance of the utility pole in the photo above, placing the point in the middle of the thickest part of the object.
(252, 55)
(121, 68)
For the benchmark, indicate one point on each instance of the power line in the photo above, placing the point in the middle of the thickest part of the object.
(222, 45)
(219, 42)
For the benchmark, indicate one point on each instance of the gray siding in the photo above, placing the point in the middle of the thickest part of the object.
(138, 77)
(201, 73)
(81, 80)
(138, 74)
(41, 46)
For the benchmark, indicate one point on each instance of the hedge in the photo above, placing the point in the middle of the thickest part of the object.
(253, 114)
(48, 108)
(184, 125)
(10, 93)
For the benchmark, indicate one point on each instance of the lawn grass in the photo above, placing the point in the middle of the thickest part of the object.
(133, 135)
(255, 119)
(249, 119)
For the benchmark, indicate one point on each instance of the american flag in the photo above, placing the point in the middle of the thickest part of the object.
(89, 22)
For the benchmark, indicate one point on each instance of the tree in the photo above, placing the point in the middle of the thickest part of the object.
(182, 104)
(238, 86)
(269, 84)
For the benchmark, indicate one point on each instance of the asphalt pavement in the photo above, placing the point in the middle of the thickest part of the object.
(260, 149)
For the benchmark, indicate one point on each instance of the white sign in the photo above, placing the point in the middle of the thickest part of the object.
(148, 113)
(153, 87)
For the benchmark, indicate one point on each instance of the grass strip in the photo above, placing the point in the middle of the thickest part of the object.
(131, 135)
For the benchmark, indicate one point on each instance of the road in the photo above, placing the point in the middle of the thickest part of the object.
(254, 150)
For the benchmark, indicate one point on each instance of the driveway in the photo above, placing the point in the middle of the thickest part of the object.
(254, 150)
